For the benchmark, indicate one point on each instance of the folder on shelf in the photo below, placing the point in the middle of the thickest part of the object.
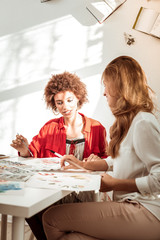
(148, 21)
(102, 9)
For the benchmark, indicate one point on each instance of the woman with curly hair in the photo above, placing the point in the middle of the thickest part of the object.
(72, 133)
(134, 154)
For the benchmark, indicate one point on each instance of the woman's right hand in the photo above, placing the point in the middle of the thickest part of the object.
(70, 159)
(19, 145)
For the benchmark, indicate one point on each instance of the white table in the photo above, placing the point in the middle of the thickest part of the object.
(24, 206)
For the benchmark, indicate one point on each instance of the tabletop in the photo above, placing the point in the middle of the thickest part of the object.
(30, 202)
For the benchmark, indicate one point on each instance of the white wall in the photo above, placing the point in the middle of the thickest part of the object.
(39, 39)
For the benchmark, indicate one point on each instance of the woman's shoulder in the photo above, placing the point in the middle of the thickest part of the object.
(53, 122)
(92, 121)
(51, 126)
(146, 119)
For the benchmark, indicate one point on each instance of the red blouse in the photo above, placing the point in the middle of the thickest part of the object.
(52, 136)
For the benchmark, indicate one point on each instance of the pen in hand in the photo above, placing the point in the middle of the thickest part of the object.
(57, 154)
(27, 146)
(73, 163)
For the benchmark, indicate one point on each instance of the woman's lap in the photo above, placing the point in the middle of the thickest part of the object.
(108, 220)
(35, 222)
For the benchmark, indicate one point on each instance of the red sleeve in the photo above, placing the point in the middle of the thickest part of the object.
(103, 143)
(95, 139)
(50, 137)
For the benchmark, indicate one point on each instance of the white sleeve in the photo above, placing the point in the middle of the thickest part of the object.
(109, 161)
(146, 143)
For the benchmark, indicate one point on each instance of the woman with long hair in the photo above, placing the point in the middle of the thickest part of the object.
(134, 154)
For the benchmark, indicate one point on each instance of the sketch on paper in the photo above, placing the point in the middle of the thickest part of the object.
(47, 173)
(65, 181)
(14, 171)
(43, 164)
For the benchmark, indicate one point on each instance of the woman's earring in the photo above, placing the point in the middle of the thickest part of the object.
(55, 110)
(78, 105)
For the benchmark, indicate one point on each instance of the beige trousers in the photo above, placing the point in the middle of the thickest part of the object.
(101, 220)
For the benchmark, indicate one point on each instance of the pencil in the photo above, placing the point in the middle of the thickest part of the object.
(73, 163)
(27, 146)
(57, 154)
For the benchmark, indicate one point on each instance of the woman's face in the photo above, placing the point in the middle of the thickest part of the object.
(110, 94)
(66, 103)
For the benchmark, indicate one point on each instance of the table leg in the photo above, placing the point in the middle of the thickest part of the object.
(96, 196)
(4, 227)
(18, 228)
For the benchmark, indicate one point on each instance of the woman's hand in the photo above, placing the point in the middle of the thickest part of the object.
(107, 183)
(92, 157)
(19, 145)
(99, 165)
(70, 159)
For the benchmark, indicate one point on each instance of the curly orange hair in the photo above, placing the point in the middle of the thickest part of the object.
(65, 82)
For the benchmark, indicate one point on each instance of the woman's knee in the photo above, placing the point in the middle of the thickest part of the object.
(51, 215)
(46, 217)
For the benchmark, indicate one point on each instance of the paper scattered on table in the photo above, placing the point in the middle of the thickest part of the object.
(40, 164)
(11, 187)
(47, 173)
(14, 171)
(65, 181)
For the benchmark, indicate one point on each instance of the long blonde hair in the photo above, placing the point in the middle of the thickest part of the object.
(129, 83)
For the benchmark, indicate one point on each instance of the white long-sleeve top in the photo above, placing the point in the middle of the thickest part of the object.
(139, 159)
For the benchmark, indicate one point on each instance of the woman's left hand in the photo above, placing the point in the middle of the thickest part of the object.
(92, 157)
(107, 183)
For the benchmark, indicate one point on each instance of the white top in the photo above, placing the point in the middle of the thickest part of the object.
(139, 158)
(79, 148)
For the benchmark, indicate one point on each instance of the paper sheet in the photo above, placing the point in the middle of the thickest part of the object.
(65, 181)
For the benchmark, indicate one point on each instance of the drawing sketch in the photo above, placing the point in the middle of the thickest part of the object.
(65, 181)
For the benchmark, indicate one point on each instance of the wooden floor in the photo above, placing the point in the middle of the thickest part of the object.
(9, 231)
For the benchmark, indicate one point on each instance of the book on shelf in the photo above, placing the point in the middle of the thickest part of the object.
(148, 21)
(102, 9)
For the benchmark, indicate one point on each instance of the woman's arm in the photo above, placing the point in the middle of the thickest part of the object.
(146, 143)
(99, 165)
(108, 183)
(20, 144)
